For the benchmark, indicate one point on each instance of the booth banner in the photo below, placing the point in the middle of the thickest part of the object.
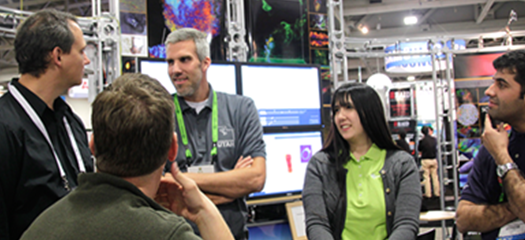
(400, 103)
(417, 63)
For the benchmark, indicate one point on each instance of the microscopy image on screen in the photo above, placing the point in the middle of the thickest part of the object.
(287, 155)
(278, 29)
(165, 16)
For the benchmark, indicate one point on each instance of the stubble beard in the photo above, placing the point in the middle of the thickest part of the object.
(189, 90)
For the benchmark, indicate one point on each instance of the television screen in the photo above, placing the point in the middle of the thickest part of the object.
(285, 95)
(287, 155)
(221, 76)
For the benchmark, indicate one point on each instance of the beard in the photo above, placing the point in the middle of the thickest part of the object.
(188, 91)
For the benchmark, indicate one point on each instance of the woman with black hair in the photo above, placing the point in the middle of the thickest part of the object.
(361, 185)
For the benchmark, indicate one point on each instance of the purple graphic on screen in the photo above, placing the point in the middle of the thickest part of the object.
(306, 153)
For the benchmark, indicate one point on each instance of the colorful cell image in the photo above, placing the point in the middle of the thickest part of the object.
(325, 73)
(199, 14)
(468, 114)
(469, 147)
(278, 30)
(466, 95)
(318, 39)
(128, 65)
(472, 131)
(318, 21)
(133, 23)
(317, 6)
(157, 51)
(165, 16)
(320, 57)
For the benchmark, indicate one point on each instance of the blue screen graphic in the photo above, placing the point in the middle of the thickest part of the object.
(283, 95)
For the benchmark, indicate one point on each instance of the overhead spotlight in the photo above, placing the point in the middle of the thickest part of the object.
(411, 78)
(410, 20)
(364, 29)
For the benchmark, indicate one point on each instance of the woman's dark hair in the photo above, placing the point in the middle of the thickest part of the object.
(372, 116)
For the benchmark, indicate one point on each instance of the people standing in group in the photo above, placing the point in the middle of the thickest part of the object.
(361, 185)
(43, 144)
(493, 199)
(133, 135)
(428, 148)
(221, 144)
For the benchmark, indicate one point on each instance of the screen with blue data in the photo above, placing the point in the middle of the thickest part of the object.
(285, 95)
(287, 155)
(221, 76)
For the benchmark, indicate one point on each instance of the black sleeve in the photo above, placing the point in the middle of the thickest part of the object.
(9, 152)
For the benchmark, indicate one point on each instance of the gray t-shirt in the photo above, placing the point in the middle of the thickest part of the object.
(240, 134)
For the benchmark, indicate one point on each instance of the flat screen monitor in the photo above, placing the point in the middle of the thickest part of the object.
(287, 155)
(285, 95)
(221, 76)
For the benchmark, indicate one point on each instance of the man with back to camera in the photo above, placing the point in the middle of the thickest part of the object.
(493, 200)
(221, 144)
(43, 144)
(133, 135)
(429, 164)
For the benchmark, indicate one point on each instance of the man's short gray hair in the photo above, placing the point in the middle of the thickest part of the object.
(183, 34)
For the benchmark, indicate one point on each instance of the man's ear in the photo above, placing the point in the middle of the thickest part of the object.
(56, 56)
(92, 144)
(172, 154)
(205, 64)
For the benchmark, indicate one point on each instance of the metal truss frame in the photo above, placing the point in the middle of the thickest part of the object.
(102, 31)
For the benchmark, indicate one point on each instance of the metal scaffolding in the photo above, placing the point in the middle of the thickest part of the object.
(101, 31)
(235, 24)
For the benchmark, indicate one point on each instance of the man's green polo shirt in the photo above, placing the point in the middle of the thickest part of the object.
(366, 211)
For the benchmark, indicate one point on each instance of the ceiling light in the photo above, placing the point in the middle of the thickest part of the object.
(364, 29)
(411, 78)
(410, 20)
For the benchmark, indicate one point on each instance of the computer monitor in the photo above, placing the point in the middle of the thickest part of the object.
(285, 95)
(287, 155)
(221, 76)
(157, 68)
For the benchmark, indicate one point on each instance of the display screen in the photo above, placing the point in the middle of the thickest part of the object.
(285, 95)
(287, 155)
(221, 76)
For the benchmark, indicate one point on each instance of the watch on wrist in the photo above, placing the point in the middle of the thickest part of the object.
(503, 169)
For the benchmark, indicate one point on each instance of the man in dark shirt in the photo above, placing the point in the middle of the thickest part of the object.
(43, 144)
(429, 164)
(493, 200)
(218, 131)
